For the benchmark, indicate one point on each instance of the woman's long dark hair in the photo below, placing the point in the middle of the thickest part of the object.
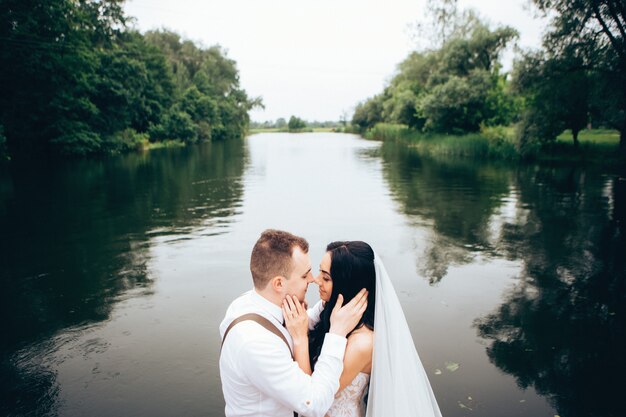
(351, 269)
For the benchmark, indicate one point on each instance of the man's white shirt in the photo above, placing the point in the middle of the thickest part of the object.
(259, 377)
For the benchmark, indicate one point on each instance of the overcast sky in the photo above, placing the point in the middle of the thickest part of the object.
(314, 59)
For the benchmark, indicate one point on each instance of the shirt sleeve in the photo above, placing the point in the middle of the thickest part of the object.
(314, 314)
(268, 365)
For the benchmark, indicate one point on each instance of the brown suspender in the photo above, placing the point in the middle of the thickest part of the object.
(263, 322)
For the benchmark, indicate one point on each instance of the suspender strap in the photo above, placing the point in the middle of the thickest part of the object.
(263, 322)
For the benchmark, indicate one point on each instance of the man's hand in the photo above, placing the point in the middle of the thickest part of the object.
(343, 319)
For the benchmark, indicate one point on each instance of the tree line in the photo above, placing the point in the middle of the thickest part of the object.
(577, 79)
(77, 79)
(295, 123)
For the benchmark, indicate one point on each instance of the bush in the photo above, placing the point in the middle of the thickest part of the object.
(78, 141)
(176, 125)
(534, 130)
(389, 131)
(501, 140)
(493, 142)
(295, 124)
(124, 141)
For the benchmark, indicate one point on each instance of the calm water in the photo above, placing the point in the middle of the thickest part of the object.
(115, 274)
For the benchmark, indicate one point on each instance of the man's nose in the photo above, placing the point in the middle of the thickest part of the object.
(311, 278)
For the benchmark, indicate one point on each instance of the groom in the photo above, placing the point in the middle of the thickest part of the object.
(259, 375)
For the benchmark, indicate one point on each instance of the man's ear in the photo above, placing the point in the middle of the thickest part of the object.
(277, 283)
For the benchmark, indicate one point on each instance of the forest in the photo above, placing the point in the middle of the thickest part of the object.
(77, 79)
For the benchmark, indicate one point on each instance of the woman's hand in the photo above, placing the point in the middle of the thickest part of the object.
(296, 319)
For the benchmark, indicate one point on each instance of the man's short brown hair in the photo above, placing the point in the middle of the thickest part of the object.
(271, 256)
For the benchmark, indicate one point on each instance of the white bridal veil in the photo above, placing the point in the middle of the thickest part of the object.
(399, 385)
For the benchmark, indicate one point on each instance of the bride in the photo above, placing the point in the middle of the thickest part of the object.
(382, 373)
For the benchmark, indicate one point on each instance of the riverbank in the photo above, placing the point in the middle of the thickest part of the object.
(148, 146)
(286, 130)
(596, 145)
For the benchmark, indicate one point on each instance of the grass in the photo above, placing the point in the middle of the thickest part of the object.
(148, 146)
(600, 137)
(596, 145)
(498, 142)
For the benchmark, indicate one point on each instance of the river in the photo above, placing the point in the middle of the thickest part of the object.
(116, 272)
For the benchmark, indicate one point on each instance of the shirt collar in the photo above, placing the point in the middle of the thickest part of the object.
(267, 305)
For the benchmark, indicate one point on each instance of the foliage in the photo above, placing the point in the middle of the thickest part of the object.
(176, 125)
(452, 89)
(295, 124)
(442, 18)
(281, 125)
(593, 34)
(389, 131)
(556, 91)
(125, 140)
(496, 142)
(77, 81)
(368, 113)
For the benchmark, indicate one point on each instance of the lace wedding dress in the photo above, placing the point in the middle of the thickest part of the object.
(349, 402)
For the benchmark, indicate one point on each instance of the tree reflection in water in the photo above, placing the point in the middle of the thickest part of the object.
(455, 199)
(76, 241)
(562, 329)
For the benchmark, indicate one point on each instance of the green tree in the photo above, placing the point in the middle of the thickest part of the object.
(459, 93)
(79, 82)
(453, 89)
(556, 91)
(596, 29)
(295, 124)
(53, 50)
(206, 89)
(281, 123)
(368, 113)
(442, 19)
(132, 90)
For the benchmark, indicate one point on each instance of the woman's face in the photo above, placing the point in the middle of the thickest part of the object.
(324, 280)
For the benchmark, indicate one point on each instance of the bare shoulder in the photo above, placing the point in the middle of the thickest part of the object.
(361, 342)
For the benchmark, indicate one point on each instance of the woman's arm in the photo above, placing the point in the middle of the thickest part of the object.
(297, 323)
(358, 357)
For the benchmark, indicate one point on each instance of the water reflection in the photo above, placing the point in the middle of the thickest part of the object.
(562, 329)
(116, 273)
(76, 240)
(453, 199)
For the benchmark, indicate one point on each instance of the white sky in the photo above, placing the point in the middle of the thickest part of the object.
(314, 59)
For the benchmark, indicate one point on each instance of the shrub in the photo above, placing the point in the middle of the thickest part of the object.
(124, 141)
(176, 125)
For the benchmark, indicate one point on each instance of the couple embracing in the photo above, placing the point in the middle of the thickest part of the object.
(350, 355)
